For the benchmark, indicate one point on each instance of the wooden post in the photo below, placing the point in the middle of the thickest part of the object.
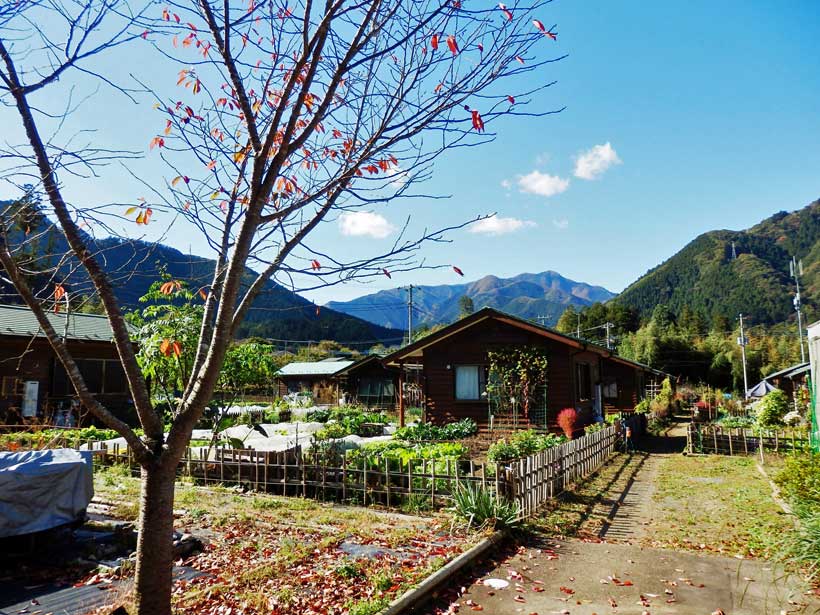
(401, 394)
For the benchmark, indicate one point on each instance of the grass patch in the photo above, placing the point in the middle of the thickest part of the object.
(715, 503)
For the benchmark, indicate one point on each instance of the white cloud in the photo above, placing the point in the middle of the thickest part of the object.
(365, 224)
(560, 223)
(592, 163)
(499, 226)
(398, 177)
(542, 184)
(506, 184)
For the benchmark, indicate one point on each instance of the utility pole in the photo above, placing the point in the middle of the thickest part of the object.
(578, 328)
(410, 314)
(542, 320)
(742, 341)
(608, 326)
(796, 268)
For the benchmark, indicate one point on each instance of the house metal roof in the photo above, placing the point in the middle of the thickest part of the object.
(314, 368)
(19, 320)
(790, 372)
(415, 349)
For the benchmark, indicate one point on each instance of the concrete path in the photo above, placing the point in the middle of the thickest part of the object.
(586, 578)
(614, 574)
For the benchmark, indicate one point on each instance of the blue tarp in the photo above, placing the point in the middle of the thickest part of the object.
(40, 490)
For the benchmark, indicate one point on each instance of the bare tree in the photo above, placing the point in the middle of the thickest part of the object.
(287, 116)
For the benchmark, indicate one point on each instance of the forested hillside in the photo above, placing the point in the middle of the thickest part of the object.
(713, 283)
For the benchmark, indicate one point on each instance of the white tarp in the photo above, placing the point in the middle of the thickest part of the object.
(43, 489)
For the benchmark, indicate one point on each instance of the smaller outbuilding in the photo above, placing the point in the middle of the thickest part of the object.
(365, 381)
(791, 379)
(33, 383)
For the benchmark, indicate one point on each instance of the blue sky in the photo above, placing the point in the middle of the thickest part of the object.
(707, 113)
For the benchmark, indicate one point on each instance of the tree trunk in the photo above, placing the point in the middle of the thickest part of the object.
(155, 541)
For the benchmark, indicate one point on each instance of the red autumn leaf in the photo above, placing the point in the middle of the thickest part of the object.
(203, 294)
(169, 287)
(148, 213)
(480, 47)
(458, 271)
(144, 34)
(511, 99)
(177, 348)
(567, 590)
(315, 265)
(387, 273)
(478, 123)
(59, 292)
(506, 11)
(519, 59)
(165, 347)
(539, 25)
(156, 142)
(451, 43)
(434, 42)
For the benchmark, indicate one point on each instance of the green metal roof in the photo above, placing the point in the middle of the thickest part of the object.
(315, 368)
(20, 321)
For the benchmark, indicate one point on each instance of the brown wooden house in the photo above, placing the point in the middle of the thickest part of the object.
(33, 383)
(364, 381)
(791, 379)
(455, 368)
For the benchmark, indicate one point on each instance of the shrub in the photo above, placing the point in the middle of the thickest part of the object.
(568, 421)
(801, 549)
(772, 409)
(404, 451)
(480, 508)
(346, 421)
(319, 415)
(425, 432)
(642, 407)
(595, 427)
(800, 479)
(732, 422)
(521, 444)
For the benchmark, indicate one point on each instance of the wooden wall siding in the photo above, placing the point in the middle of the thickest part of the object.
(38, 364)
(470, 348)
(627, 379)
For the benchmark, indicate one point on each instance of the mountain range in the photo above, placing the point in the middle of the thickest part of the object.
(724, 273)
(542, 296)
(134, 265)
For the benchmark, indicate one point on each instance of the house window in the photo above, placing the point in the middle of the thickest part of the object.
(611, 390)
(583, 382)
(470, 381)
(101, 376)
(375, 390)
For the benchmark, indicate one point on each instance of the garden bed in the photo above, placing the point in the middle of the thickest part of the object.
(267, 554)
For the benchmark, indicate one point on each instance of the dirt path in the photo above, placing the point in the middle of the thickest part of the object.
(631, 504)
